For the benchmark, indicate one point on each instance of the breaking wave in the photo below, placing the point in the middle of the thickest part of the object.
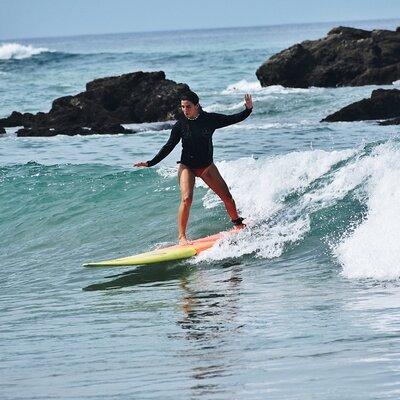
(17, 51)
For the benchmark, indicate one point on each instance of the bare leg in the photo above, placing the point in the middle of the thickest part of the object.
(186, 183)
(216, 183)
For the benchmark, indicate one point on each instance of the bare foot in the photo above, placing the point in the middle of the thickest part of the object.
(183, 241)
(239, 227)
(238, 224)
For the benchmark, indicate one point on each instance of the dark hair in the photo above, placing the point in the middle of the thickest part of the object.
(190, 96)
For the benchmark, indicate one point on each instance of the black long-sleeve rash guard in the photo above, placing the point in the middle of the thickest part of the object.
(196, 135)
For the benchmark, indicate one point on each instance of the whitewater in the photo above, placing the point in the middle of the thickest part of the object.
(302, 304)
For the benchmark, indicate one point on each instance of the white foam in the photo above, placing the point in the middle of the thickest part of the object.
(268, 180)
(372, 249)
(223, 107)
(260, 196)
(150, 126)
(262, 242)
(244, 86)
(246, 126)
(18, 51)
(167, 172)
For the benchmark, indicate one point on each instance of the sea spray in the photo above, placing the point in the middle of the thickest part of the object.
(18, 51)
(372, 249)
(283, 197)
(260, 188)
(244, 86)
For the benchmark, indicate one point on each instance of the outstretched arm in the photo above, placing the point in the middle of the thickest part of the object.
(221, 120)
(173, 140)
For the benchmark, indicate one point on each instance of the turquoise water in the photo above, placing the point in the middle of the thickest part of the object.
(302, 305)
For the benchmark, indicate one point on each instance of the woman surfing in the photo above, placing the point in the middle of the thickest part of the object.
(195, 129)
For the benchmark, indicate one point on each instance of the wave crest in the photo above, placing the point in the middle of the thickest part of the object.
(347, 200)
(9, 51)
(371, 249)
(264, 195)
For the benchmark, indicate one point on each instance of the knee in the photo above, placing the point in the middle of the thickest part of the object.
(187, 199)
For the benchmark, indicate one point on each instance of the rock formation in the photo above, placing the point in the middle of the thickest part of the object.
(383, 104)
(105, 105)
(345, 57)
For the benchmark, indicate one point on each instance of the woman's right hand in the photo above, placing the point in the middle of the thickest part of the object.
(141, 164)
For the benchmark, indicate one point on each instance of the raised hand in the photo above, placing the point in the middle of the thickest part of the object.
(141, 164)
(248, 101)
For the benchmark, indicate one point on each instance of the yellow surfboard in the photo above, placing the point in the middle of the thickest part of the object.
(172, 253)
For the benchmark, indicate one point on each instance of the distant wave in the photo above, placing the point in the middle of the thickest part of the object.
(17, 51)
(17, 55)
(244, 86)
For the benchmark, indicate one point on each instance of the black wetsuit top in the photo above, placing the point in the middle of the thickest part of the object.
(196, 135)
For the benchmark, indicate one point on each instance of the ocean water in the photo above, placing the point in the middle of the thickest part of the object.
(305, 304)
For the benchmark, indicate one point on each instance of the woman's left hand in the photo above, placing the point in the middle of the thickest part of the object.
(248, 101)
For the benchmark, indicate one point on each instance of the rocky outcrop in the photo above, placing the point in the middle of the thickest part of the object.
(17, 119)
(2, 131)
(345, 57)
(394, 121)
(383, 104)
(107, 102)
(37, 131)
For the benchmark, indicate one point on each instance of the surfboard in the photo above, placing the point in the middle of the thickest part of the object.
(171, 253)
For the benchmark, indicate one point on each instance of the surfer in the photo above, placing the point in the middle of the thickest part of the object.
(195, 128)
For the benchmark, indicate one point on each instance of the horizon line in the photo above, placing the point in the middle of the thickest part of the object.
(197, 29)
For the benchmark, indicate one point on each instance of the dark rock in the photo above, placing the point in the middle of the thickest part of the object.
(394, 121)
(24, 132)
(383, 104)
(73, 130)
(162, 127)
(130, 98)
(105, 105)
(17, 119)
(110, 129)
(2, 130)
(48, 132)
(345, 57)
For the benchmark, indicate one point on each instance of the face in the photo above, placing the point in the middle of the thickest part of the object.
(189, 109)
